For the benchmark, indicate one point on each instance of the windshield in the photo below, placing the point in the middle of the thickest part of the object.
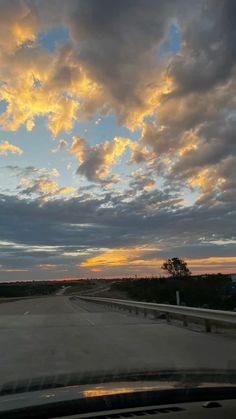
(117, 200)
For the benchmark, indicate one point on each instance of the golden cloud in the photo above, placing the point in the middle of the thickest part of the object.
(212, 261)
(45, 187)
(206, 179)
(149, 184)
(22, 33)
(78, 148)
(121, 257)
(66, 190)
(6, 147)
(133, 256)
(58, 85)
(151, 96)
(18, 24)
(63, 88)
(36, 82)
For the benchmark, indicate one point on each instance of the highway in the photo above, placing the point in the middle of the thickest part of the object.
(53, 335)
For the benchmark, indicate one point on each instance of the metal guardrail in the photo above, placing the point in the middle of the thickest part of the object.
(207, 316)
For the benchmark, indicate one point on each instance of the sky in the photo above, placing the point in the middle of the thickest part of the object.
(117, 137)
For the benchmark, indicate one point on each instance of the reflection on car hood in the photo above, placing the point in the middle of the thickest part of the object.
(88, 393)
(176, 378)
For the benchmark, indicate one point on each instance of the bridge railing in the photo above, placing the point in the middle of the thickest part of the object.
(207, 316)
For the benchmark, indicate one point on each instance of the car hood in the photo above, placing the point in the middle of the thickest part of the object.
(101, 390)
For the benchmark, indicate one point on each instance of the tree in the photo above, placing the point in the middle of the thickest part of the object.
(176, 267)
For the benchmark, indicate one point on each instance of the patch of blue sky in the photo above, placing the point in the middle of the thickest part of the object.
(10, 186)
(11, 137)
(103, 128)
(50, 39)
(8, 183)
(37, 144)
(122, 166)
(230, 116)
(172, 43)
(149, 118)
(190, 197)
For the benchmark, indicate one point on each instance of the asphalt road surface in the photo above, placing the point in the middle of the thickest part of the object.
(48, 336)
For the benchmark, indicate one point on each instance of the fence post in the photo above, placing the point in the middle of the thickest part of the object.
(207, 325)
(177, 298)
(156, 314)
(185, 321)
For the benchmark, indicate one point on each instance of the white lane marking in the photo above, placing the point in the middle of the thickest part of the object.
(26, 312)
(75, 311)
(92, 324)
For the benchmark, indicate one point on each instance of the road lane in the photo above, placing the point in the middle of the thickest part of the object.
(53, 335)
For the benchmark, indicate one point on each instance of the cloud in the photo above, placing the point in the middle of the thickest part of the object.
(213, 261)
(208, 55)
(25, 101)
(134, 81)
(158, 214)
(95, 161)
(35, 181)
(44, 187)
(47, 266)
(6, 147)
(18, 24)
(5, 269)
(145, 258)
(119, 257)
(182, 103)
(141, 154)
(141, 181)
(144, 227)
(66, 190)
(37, 82)
(195, 136)
(81, 76)
(61, 146)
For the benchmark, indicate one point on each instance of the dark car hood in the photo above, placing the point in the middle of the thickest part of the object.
(102, 391)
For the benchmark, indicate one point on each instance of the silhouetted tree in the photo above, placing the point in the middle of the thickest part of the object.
(176, 267)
